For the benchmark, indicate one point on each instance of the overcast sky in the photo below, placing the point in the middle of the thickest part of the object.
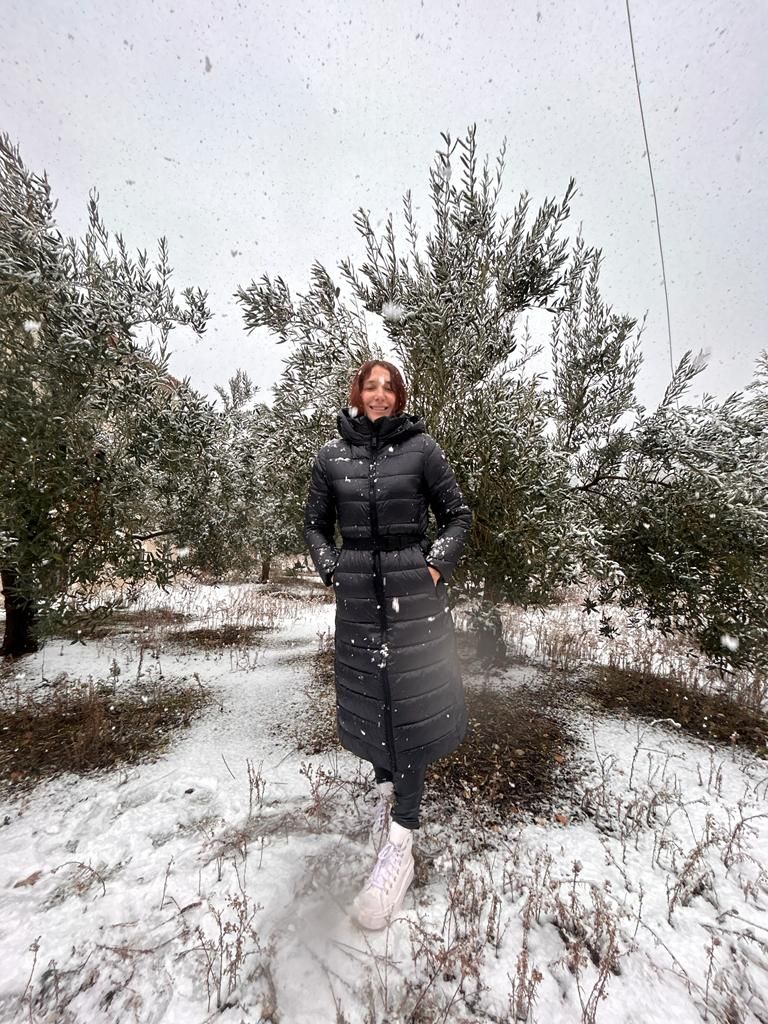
(249, 134)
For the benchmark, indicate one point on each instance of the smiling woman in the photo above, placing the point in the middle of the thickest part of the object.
(377, 390)
(399, 695)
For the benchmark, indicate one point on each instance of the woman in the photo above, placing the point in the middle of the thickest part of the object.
(400, 702)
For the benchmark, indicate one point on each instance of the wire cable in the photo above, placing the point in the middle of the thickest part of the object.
(653, 189)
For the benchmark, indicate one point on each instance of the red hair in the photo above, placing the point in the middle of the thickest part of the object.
(362, 375)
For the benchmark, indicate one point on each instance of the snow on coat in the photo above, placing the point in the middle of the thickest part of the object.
(399, 693)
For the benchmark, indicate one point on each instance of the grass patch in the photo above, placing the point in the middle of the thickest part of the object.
(708, 715)
(125, 620)
(81, 727)
(211, 637)
(314, 729)
(514, 760)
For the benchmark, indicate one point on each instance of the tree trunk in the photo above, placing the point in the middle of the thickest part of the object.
(266, 564)
(20, 618)
(491, 648)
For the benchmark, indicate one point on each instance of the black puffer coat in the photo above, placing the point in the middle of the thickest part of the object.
(398, 687)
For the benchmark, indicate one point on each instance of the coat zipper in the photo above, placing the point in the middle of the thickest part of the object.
(378, 586)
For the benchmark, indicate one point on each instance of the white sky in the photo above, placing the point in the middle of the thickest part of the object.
(250, 134)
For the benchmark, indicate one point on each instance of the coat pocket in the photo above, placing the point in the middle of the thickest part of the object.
(427, 567)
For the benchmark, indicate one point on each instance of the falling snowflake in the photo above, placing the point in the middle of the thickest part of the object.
(392, 311)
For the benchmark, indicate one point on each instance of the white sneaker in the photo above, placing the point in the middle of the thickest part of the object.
(382, 816)
(383, 894)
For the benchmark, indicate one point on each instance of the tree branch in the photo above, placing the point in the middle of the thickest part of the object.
(599, 478)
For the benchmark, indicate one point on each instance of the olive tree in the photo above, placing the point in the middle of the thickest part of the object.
(326, 340)
(97, 439)
(570, 479)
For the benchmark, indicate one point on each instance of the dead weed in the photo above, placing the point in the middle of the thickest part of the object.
(514, 759)
(213, 637)
(127, 620)
(81, 726)
(708, 715)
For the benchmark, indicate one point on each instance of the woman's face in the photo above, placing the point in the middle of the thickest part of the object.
(377, 394)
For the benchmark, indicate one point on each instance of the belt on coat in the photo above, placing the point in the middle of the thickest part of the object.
(391, 543)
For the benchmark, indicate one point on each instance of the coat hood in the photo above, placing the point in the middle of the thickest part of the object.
(360, 430)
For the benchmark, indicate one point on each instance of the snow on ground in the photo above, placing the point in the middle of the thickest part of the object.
(178, 891)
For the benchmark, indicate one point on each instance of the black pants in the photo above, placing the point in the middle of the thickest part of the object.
(409, 789)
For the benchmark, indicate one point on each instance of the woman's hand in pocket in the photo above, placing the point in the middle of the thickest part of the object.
(434, 574)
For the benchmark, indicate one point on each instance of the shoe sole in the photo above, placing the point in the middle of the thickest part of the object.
(375, 922)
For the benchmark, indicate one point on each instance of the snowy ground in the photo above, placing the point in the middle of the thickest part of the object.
(212, 883)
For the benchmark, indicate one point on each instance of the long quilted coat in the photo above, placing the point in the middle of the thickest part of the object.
(398, 687)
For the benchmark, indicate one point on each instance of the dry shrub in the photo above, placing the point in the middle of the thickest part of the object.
(227, 942)
(709, 715)
(563, 636)
(134, 609)
(104, 623)
(213, 637)
(314, 727)
(78, 726)
(514, 757)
